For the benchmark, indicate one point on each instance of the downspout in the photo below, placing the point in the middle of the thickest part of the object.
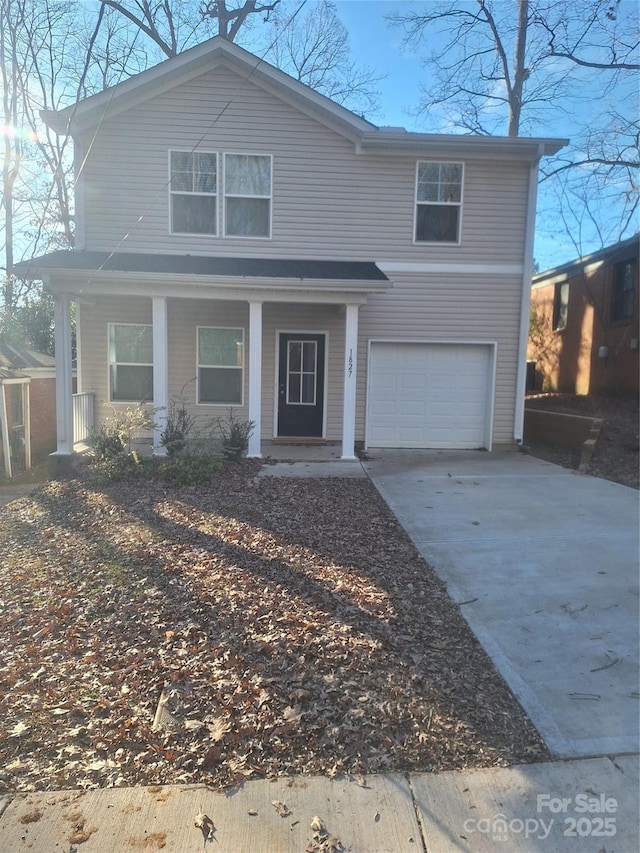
(525, 298)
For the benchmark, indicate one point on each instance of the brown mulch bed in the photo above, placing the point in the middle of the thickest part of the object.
(616, 456)
(290, 625)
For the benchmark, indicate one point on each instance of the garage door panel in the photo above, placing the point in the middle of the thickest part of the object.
(429, 395)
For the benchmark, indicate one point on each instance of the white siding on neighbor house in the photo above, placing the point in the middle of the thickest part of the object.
(441, 308)
(328, 201)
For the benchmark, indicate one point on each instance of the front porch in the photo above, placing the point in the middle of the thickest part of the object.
(276, 341)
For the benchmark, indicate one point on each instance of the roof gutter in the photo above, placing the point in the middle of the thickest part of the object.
(525, 297)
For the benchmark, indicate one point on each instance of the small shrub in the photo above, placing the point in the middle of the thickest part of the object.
(122, 466)
(188, 469)
(113, 437)
(179, 426)
(235, 435)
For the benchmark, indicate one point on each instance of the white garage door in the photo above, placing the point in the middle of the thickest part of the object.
(429, 395)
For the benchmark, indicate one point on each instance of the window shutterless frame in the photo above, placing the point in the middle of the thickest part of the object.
(220, 366)
(247, 177)
(134, 373)
(193, 191)
(440, 190)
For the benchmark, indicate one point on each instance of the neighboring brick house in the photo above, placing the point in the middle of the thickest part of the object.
(245, 240)
(584, 324)
(27, 401)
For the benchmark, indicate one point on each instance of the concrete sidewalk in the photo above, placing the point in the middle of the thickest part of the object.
(583, 805)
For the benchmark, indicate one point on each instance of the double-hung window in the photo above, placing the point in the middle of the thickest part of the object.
(220, 366)
(438, 202)
(247, 195)
(194, 192)
(623, 294)
(130, 363)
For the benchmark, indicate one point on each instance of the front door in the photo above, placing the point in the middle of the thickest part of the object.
(301, 385)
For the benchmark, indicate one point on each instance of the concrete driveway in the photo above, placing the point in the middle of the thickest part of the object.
(544, 562)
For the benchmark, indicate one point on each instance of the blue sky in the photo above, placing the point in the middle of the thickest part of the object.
(376, 44)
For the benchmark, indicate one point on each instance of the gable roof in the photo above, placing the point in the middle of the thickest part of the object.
(622, 251)
(91, 112)
(20, 358)
(193, 63)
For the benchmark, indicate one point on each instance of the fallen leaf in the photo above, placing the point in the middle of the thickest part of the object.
(206, 826)
(281, 808)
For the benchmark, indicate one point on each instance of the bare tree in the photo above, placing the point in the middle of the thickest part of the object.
(40, 67)
(313, 47)
(174, 26)
(231, 18)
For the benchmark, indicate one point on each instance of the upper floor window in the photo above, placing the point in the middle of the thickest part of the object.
(561, 306)
(130, 363)
(194, 192)
(247, 195)
(438, 202)
(623, 291)
(220, 365)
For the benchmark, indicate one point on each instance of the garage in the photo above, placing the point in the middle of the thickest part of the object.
(430, 395)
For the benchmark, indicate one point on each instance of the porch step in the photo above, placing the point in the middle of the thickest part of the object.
(303, 441)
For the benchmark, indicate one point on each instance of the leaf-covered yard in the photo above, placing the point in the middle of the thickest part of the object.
(289, 626)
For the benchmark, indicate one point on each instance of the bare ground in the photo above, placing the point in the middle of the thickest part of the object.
(616, 456)
(290, 625)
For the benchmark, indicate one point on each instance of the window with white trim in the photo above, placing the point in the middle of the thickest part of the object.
(220, 366)
(438, 202)
(130, 363)
(194, 192)
(247, 195)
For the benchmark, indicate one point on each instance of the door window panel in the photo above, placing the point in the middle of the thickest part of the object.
(302, 367)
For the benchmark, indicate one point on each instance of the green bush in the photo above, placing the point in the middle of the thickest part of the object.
(113, 437)
(188, 469)
(235, 435)
(179, 426)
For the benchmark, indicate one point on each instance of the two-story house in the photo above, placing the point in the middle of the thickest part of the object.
(246, 239)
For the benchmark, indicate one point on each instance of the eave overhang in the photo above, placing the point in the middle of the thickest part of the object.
(401, 142)
(198, 276)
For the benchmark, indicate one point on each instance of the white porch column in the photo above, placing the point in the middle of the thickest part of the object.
(26, 422)
(255, 377)
(160, 371)
(350, 373)
(4, 426)
(64, 374)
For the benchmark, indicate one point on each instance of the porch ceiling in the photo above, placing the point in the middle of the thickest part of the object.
(197, 276)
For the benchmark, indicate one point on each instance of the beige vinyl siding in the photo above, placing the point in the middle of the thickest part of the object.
(94, 344)
(448, 308)
(328, 200)
(287, 317)
(184, 316)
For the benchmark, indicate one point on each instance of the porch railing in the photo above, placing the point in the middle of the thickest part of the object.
(82, 415)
